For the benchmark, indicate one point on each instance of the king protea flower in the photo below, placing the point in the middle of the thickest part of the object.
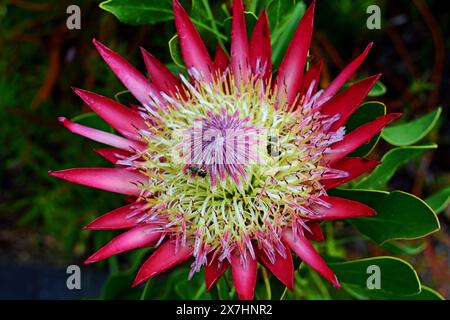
(231, 165)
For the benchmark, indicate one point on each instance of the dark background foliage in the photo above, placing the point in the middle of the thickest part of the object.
(41, 218)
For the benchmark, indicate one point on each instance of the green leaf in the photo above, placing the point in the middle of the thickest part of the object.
(428, 294)
(411, 132)
(403, 248)
(366, 112)
(440, 200)
(400, 215)
(138, 12)
(220, 290)
(83, 116)
(254, 6)
(199, 10)
(277, 10)
(425, 294)
(202, 16)
(378, 89)
(282, 33)
(390, 163)
(118, 286)
(175, 52)
(396, 276)
(126, 98)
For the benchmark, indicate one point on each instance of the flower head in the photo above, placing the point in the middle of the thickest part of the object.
(231, 166)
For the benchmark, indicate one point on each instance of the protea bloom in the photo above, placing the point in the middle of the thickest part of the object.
(231, 165)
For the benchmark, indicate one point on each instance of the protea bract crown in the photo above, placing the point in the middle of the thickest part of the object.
(230, 164)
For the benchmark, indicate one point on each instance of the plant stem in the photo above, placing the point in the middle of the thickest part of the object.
(267, 283)
(144, 292)
(331, 248)
(213, 21)
(320, 285)
(284, 294)
(200, 291)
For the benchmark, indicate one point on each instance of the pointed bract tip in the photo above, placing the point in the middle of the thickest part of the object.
(101, 48)
(375, 77)
(368, 47)
(148, 57)
(89, 260)
(83, 94)
(311, 8)
(176, 4)
(62, 119)
(137, 281)
(90, 225)
(143, 51)
(96, 42)
(264, 17)
(291, 284)
(336, 283)
(56, 174)
(78, 91)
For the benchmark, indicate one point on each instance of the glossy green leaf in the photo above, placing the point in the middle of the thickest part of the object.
(412, 131)
(283, 32)
(277, 10)
(428, 294)
(366, 112)
(193, 289)
(220, 290)
(440, 200)
(138, 12)
(396, 275)
(378, 90)
(200, 11)
(425, 294)
(403, 248)
(175, 52)
(400, 215)
(202, 16)
(390, 163)
(126, 98)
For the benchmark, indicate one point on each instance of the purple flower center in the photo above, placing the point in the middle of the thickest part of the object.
(222, 145)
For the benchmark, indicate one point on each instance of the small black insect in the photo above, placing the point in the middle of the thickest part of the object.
(202, 173)
(196, 170)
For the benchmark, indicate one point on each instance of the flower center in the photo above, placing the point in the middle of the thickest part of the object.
(222, 145)
(228, 165)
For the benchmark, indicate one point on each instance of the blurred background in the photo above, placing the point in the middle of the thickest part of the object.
(41, 218)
